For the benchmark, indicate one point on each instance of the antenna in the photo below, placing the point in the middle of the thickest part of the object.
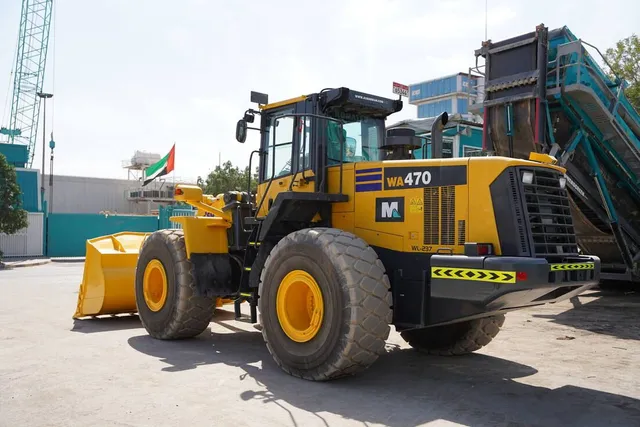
(486, 19)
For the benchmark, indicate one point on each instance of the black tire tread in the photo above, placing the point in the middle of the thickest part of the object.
(370, 303)
(192, 313)
(477, 334)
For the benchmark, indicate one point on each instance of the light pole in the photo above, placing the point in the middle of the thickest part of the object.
(52, 145)
(44, 143)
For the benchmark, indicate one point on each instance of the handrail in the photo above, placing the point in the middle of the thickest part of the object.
(250, 161)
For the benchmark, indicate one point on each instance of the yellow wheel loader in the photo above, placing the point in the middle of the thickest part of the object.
(340, 242)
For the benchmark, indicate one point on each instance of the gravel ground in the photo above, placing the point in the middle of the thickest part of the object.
(551, 365)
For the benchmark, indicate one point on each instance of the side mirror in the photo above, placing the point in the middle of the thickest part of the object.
(241, 131)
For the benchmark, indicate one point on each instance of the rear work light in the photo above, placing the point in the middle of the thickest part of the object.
(563, 182)
(478, 249)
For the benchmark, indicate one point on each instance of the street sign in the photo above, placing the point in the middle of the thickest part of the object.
(400, 89)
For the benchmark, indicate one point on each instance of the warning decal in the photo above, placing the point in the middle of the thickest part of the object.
(473, 274)
(577, 266)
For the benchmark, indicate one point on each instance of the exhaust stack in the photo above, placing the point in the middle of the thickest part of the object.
(436, 135)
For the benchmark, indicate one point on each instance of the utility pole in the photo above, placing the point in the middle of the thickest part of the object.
(52, 145)
(44, 96)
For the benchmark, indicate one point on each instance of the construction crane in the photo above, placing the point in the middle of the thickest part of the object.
(31, 56)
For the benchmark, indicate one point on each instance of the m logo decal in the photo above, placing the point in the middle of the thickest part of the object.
(390, 209)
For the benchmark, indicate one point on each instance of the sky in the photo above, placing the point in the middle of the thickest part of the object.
(133, 75)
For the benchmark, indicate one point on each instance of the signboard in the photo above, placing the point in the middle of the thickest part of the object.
(447, 148)
(400, 89)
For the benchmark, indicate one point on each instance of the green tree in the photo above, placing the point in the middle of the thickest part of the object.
(229, 178)
(200, 182)
(12, 217)
(624, 60)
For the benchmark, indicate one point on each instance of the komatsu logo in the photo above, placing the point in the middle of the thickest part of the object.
(390, 209)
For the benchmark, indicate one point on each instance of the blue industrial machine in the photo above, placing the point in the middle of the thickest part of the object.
(544, 92)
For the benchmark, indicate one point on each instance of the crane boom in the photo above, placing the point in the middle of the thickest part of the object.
(33, 40)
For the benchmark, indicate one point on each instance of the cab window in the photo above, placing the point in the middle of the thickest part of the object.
(362, 141)
(304, 128)
(279, 138)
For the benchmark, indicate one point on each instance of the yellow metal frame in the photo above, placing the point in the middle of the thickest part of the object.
(192, 195)
(204, 235)
(299, 306)
(544, 158)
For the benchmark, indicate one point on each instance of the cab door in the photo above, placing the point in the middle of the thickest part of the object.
(285, 164)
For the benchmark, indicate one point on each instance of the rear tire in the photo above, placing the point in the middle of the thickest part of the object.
(183, 314)
(455, 339)
(354, 292)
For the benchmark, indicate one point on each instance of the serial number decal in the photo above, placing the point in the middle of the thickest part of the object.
(424, 176)
(421, 248)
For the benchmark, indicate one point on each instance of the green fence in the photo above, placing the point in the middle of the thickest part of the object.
(169, 211)
(68, 233)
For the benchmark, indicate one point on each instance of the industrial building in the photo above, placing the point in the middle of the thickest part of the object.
(81, 194)
(76, 208)
(453, 93)
(457, 94)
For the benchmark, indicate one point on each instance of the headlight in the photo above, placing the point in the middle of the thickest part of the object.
(527, 177)
(563, 182)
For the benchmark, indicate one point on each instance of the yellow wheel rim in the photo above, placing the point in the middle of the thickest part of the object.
(154, 285)
(299, 306)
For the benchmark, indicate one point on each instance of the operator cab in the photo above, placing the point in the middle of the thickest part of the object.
(302, 136)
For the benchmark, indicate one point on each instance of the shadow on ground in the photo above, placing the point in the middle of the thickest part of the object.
(106, 324)
(403, 388)
(614, 313)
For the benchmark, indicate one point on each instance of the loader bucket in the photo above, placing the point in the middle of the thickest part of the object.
(108, 281)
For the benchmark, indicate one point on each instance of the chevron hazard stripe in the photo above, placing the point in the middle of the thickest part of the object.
(473, 274)
(576, 266)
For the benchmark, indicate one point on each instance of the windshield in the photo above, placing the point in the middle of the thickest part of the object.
(362, 141)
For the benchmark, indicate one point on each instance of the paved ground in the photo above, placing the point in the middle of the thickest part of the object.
(550, 366)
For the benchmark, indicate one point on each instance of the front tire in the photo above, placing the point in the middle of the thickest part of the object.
(165, 289)
(455, 339)
(325, 304)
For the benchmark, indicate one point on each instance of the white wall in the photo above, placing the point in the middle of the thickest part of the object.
(79, 194)
(26, 242)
